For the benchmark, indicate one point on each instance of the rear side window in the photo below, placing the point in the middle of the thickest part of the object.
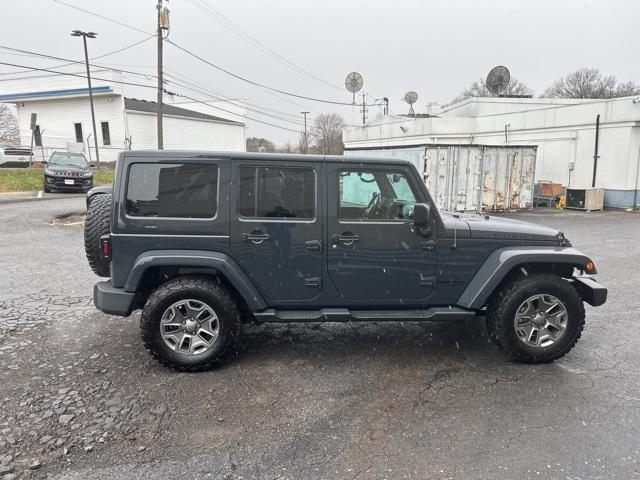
(172, 190)
(275, 192)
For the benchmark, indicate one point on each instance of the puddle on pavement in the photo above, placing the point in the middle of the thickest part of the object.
(68, 220)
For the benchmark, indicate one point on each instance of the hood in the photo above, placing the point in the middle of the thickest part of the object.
(66, 168)
(484, 226)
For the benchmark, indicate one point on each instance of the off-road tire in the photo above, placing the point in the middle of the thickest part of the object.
(97, 224)
(502, 310)
(46, 189)
(199, 288)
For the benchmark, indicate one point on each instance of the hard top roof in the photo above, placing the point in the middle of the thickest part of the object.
(172, 155)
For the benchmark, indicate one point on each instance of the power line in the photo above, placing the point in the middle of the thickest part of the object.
(239, 77)
(243, 34)
(122, 82)
(54, 57)
(265, 87)
(131, 27)
(148, 76)
(92, 58)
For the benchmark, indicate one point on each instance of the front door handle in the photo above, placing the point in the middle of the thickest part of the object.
(347, 238)
(256, 237)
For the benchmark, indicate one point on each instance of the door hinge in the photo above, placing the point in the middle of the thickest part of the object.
(429, 245)
(312, 282)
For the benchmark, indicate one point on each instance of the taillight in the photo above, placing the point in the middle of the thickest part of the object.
(105, 247)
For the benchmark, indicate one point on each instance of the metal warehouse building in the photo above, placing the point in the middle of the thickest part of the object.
(563, 130)
(64, 118)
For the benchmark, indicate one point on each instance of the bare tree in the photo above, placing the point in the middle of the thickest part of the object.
(288, 148)
(479, 89)
(590, 83)
(326, 134)
(259, 144)
(9, 132)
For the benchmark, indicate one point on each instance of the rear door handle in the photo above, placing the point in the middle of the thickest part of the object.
(256, 237)
(313, 245)
(347, 238)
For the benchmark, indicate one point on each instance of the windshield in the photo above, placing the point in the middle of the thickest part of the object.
(74, 159)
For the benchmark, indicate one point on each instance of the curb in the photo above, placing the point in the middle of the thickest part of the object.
(33, 196)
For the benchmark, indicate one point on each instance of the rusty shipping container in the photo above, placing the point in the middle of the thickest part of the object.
(470, 178)
(475, 178)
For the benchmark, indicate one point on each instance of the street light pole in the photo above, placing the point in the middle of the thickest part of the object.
(160, 79)
(306, 144)
(84, 35)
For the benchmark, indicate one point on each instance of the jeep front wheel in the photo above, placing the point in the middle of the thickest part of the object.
(189, 323)
(536, 319)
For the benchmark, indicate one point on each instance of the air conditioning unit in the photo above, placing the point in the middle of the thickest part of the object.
(589, 198)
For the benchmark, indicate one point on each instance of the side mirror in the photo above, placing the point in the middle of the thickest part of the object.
(45, 163)
(422, 215)
(92, 165)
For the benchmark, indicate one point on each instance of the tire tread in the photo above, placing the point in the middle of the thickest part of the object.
(498, 316)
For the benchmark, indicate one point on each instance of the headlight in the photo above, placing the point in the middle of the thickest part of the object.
(49, 172)
(87, 174)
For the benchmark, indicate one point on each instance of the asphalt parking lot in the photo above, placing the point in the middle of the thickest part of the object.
(80, 398)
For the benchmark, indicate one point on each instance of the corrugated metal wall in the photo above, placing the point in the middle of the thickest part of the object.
(465, 178)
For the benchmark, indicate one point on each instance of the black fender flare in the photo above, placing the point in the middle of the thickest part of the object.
(217, 261)
(498, 265)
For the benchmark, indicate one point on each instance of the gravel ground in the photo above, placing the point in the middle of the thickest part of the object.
(80, 398)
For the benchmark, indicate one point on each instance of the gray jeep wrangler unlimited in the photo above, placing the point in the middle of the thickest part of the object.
(202, 241)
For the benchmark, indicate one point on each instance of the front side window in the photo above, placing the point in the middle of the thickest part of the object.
(374, 195)
(78, 129)
(275, 192)
(172, 190)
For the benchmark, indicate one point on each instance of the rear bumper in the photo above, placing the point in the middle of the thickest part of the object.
(592, 292)
(111, 300)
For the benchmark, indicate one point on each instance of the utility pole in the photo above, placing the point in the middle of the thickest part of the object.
(364, 109)
(306, 144)
(84, 35)
(160, 79)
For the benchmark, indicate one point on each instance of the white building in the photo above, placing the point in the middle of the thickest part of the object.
(563, 130)
(64, 118)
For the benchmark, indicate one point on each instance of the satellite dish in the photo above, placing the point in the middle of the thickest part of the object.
(411, 97)
(353, 82)
(498, 79)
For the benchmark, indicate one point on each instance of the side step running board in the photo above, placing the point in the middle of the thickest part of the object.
(346, 315)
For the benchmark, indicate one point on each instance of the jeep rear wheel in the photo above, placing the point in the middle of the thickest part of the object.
(536, 319)
(97, 224)
(190, 323)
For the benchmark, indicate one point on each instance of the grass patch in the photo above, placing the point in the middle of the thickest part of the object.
(29, 179)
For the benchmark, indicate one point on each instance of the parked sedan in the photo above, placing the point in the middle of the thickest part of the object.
(67, 171)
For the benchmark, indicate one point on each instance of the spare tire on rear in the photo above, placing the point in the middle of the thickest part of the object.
(97, 224)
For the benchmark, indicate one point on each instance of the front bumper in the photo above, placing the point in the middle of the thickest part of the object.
(591, 291)
(111, 300)
(79, 183)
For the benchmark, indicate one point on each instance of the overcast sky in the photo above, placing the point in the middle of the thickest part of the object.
(435, 47)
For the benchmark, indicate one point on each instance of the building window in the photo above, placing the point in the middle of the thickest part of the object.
(79, 137)
(37, 136)
(274, 192)
(106, 135)
(183, 190)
